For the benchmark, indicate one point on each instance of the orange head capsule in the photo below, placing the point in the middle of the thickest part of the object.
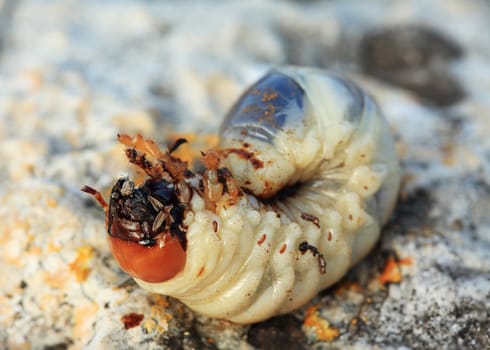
(145, 231)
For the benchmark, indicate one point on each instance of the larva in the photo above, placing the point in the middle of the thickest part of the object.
(296, 193)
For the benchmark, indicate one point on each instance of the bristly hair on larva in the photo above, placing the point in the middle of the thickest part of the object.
(296, 192)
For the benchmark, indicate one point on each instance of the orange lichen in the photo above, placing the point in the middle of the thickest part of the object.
(348, 287)
(80, 266)
(405, 261)
(160, 300)
(391, 272)
(323, 330)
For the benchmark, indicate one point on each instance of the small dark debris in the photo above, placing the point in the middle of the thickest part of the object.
(59, 346)
(475, 332)
(182, 334)
(176, 144)
(458, 272)
(170, 342)
(359, 328)
(161, 91)
(305, 246)
(283, 332)
(311, 218)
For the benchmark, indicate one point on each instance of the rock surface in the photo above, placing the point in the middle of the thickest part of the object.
(75, 73)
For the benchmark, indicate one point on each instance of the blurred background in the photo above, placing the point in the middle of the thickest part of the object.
(74, 74)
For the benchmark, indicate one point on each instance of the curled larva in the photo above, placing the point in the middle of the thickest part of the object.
(296, 193)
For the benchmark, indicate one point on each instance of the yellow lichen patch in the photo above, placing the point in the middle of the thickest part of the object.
(84, 316)
(57, 279)
(323, 330)
(51, 202)
(158, 312)
(13, 241)
(54, 247)
(80, 266)
(150, 326)
(158, 321)
(160, 300)
(391, 272)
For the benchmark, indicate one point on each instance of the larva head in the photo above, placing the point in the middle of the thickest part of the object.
(144, 229)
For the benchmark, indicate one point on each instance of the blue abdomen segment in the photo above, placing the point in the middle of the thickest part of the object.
(274, 103)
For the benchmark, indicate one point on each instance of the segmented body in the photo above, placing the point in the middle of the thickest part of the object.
(316, 163)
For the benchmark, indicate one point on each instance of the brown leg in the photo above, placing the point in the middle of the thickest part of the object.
(97, 195)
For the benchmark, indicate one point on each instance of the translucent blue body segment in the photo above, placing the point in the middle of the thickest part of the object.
(274, 103)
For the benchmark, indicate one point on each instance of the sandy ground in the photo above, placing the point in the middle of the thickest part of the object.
(74, 74)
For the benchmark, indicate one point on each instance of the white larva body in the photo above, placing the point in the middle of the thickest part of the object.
(243, 262)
